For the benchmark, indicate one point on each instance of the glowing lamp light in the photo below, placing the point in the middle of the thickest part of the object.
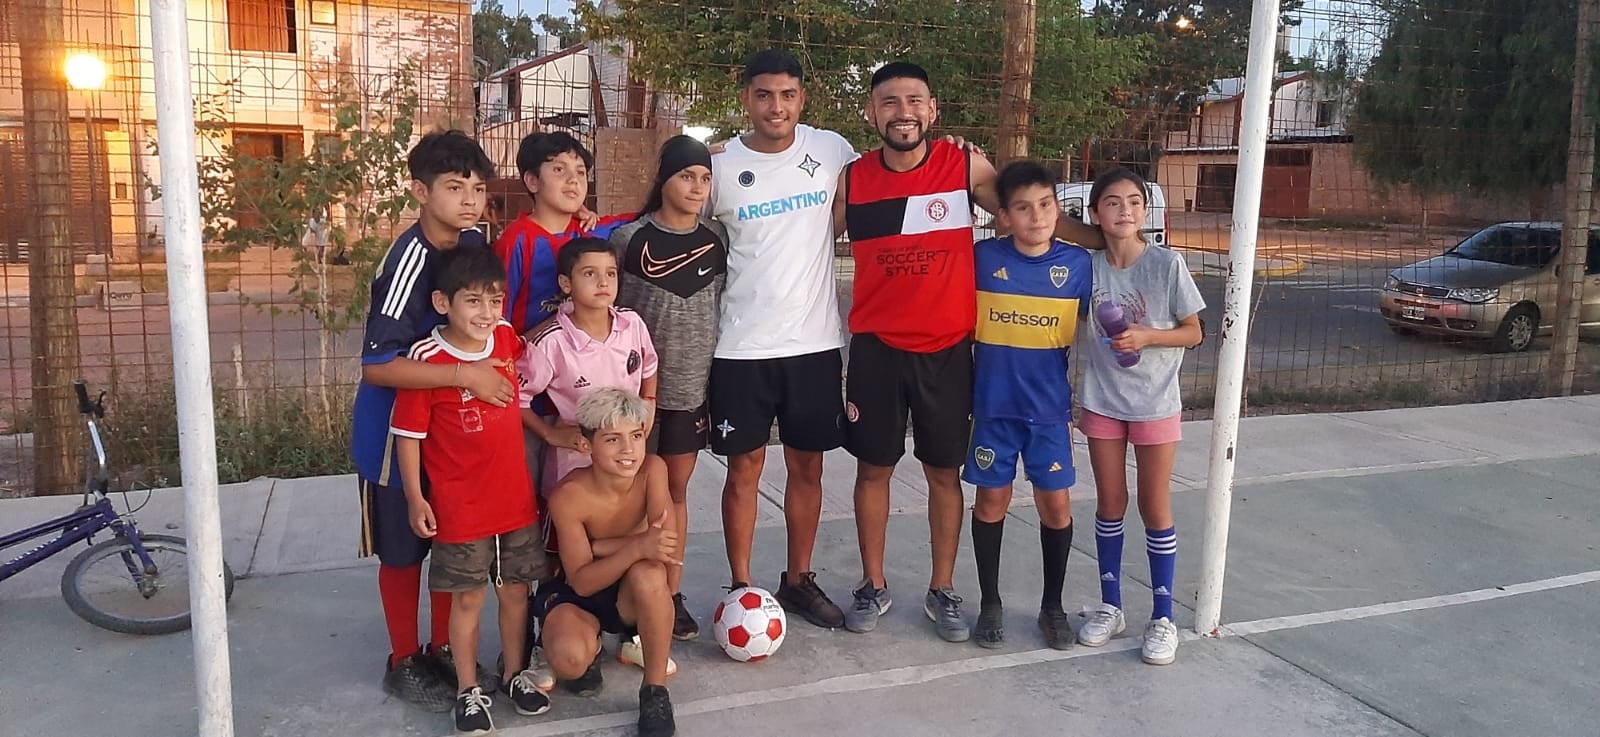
(1183, 23)
(85, 71)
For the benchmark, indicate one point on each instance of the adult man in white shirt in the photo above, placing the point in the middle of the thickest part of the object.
(778, 354)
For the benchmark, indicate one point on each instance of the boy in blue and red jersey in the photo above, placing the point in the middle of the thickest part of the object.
(1032, 291)
(555, 169)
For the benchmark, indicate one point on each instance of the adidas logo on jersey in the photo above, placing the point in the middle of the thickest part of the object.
(1002, 275)
(1108, 576)
(583, 383)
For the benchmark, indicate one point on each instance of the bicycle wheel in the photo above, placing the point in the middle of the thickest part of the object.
(99, 586)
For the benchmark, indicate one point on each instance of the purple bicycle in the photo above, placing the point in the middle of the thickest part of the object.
(131, 582)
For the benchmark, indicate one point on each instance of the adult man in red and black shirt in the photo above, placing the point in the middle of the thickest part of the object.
(907, 206)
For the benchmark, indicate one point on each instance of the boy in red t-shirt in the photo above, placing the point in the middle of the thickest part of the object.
(479, 510)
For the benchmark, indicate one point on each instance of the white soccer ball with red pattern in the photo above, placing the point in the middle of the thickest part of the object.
(749, 624)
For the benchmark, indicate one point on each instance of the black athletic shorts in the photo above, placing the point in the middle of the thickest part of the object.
(386, 527)
(801, 392)
(677, 432)
(602, 604)
(886, 383)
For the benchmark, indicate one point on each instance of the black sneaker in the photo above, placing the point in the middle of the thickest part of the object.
(1057, 629)
(655, 712)
(526, 696)
(990, 631)
(415, 682)
(472, 713)
(445, 663)
(683, 625)
(804, 597)
(590, 682)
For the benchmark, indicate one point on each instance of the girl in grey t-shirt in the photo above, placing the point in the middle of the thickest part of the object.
(1127, 402)
(674, 265)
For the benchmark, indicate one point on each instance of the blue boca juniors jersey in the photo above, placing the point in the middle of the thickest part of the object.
(1028, 312)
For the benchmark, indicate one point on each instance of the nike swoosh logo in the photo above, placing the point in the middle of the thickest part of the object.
(703, 272)
(658, 268)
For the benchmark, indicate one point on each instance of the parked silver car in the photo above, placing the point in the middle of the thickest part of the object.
(1499, 284)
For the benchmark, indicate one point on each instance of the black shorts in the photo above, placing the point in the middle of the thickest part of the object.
(386, 527)
(886, 383)
(602, 604)
(801, 392)
(677, 432)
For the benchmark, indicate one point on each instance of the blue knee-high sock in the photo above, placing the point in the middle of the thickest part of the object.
(1162, 545)
(1108, 548)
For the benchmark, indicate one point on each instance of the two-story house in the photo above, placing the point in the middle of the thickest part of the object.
(267, 70)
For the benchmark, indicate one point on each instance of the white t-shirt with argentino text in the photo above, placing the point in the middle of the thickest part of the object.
(781, 299)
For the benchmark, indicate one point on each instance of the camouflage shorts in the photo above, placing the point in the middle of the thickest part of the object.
(509, 558)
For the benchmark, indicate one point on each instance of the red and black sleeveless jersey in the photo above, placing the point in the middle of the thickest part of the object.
(911, 236)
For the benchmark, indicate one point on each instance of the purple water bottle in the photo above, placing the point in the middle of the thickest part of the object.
(1113, 322)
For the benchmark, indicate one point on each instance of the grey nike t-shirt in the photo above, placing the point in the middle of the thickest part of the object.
(674, 280)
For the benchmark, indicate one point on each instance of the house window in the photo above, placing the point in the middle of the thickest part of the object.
(258, 182)
(262, 25)
(324, 12)
(1325, 112)
(8, 28)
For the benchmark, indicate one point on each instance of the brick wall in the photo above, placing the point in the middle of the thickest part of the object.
(625, 162)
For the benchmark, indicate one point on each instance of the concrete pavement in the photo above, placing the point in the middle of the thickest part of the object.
(1402, 572)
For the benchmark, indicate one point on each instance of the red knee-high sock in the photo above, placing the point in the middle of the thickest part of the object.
(398, 588)
(439, 618)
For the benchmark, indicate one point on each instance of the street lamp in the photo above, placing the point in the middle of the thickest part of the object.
(86, 73)
(1183, 23)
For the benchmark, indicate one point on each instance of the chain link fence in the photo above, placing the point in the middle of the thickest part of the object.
(1415, 189)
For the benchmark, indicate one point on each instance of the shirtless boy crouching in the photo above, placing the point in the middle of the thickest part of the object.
(618, 535)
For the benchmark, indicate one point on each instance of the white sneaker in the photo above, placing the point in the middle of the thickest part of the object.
(632, 653)
(1105, 622)
(1160, 642)
(544, 679)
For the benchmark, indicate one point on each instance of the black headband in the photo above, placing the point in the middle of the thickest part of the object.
(679, 153)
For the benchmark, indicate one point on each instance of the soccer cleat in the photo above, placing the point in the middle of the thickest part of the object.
(1057, 629)
(445, 663)
(472, 713)
(683, 625)
(526, 696)
(631, 653)
(867, 604)
(944, 608)
(415, 682)
(1105, 622)
(1160, 642)
(990, 631)
(655, 712)
(804, 597)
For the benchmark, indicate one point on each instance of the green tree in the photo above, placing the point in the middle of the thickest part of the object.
(1469, 95)
(498, 38)
(698, 52)
(1191, 44)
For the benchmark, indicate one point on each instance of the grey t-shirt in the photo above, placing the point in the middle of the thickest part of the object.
(1155, 291)
(674, 280)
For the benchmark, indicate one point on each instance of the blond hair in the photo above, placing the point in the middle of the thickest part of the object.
(604, 409)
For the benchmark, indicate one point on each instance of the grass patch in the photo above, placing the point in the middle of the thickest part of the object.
(274, 431)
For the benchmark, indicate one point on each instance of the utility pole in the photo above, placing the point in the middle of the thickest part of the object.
(1580, 204)
(53, 321)
(1016, 81)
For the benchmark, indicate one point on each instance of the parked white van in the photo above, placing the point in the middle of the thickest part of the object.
(1074, 198)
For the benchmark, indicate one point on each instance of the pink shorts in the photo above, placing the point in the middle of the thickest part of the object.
(1150, 432)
